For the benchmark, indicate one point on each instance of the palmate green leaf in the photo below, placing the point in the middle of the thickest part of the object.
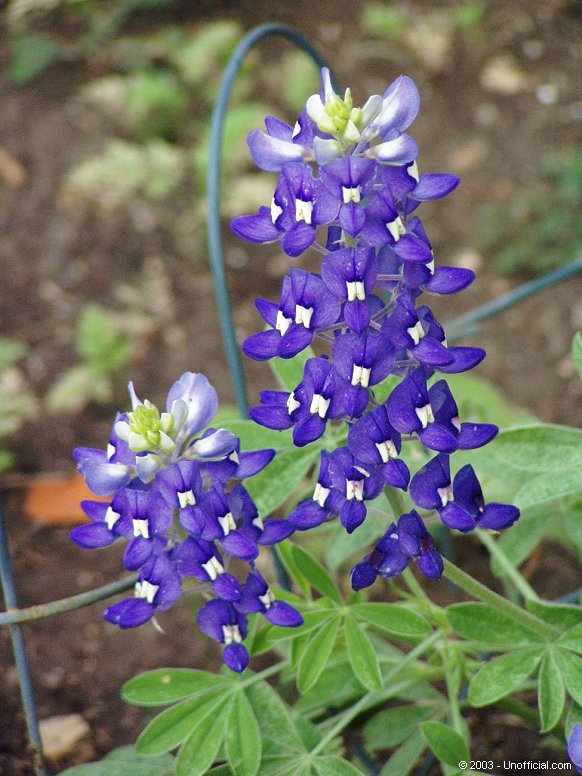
(316, 654)
(243, 738)
(337, 685)
(362, 655)
(275, 484)
(570, 666)
(289, 371)
(167, 731)
(124, 761)
(539, 447)
(572, 521)
(405, 757)
(317, 576)
(481, 622)
(549, 487)
(573, 717)
(502, 676)
(551, 693)
(577, 352)
(168, 685)
(572, 640)
(392, 618)
(332, 765)
(391, 727)
(446, 744)
(275, 720)
(201, 748)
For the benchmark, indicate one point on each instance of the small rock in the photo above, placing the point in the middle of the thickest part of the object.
(503, 75)
(468, 156)
(547, 94)
(60, 734)
(468, 258)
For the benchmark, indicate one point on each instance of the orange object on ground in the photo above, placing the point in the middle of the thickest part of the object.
(56, 499)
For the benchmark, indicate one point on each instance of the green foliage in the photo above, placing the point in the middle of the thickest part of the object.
(30, 55)
(448, 746)
(104, 349)
(388, 21)
(540, 229)
(17, 402)
(502, 676)
(123, 761)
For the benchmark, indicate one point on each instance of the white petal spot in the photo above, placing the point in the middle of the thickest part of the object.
(146, 590)
(387, 450)
(231, 633)
(355, 490)
(303, 315)
(352, 194)
(213, 567)
(303, 210)
(430, 267)
(425, 415)
(320, 494)
(396, 228)
(267, 599)
(141, 528)
(413, 171)
(292, 403)
(185, 498)
(227, 523)
(416, 332)
(446, 494)
(456, 422)
(355, 290)
(275, 210)
(361, 376)
(258, 522)
(111, 517)
(110, 451)
(282, 323)
(319, 405)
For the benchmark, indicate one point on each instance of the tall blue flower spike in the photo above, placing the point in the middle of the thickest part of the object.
(349, 186)
(178, 500)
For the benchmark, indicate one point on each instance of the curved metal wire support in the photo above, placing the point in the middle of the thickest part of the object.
(214, 237)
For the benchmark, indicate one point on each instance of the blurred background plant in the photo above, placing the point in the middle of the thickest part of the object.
(17, 402)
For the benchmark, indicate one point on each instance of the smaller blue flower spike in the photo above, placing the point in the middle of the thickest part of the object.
(349, 188)
(179, 503)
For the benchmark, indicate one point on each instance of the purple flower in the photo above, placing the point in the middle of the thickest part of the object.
(257, 597)
(352, 485)
(349, 180)
(108, 523)
(375, 442)
(221, 621)
(281, 144)
(350, 274)
(575, 747)
(468, 510)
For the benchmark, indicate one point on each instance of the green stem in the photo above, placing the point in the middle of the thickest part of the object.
(509, 569)
(264, 674)
(520, 616)
(426, 606)
(372, 698)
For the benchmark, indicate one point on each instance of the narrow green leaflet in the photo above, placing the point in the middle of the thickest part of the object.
(168, 685)
(446, 744)
(548, 487)
(539, 447)
(317, 576)
(125, 761)
(274, 719)
(337, 685)
(502, 676)
(316, 654)
(572, 520)
(201, 748)
(274, 485)
(362, 656)
(255, 437)
(289, 371)
(174, 725)
(573, 717)
(331, 765)
(392, 618)
(481, 622)
(551, 693)
(343, 545)
(266, 638)
(405, 757)
(572, 639)
(577, 352)
(243, 738)
(564, 616)
(391, 727)
(571, 668)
